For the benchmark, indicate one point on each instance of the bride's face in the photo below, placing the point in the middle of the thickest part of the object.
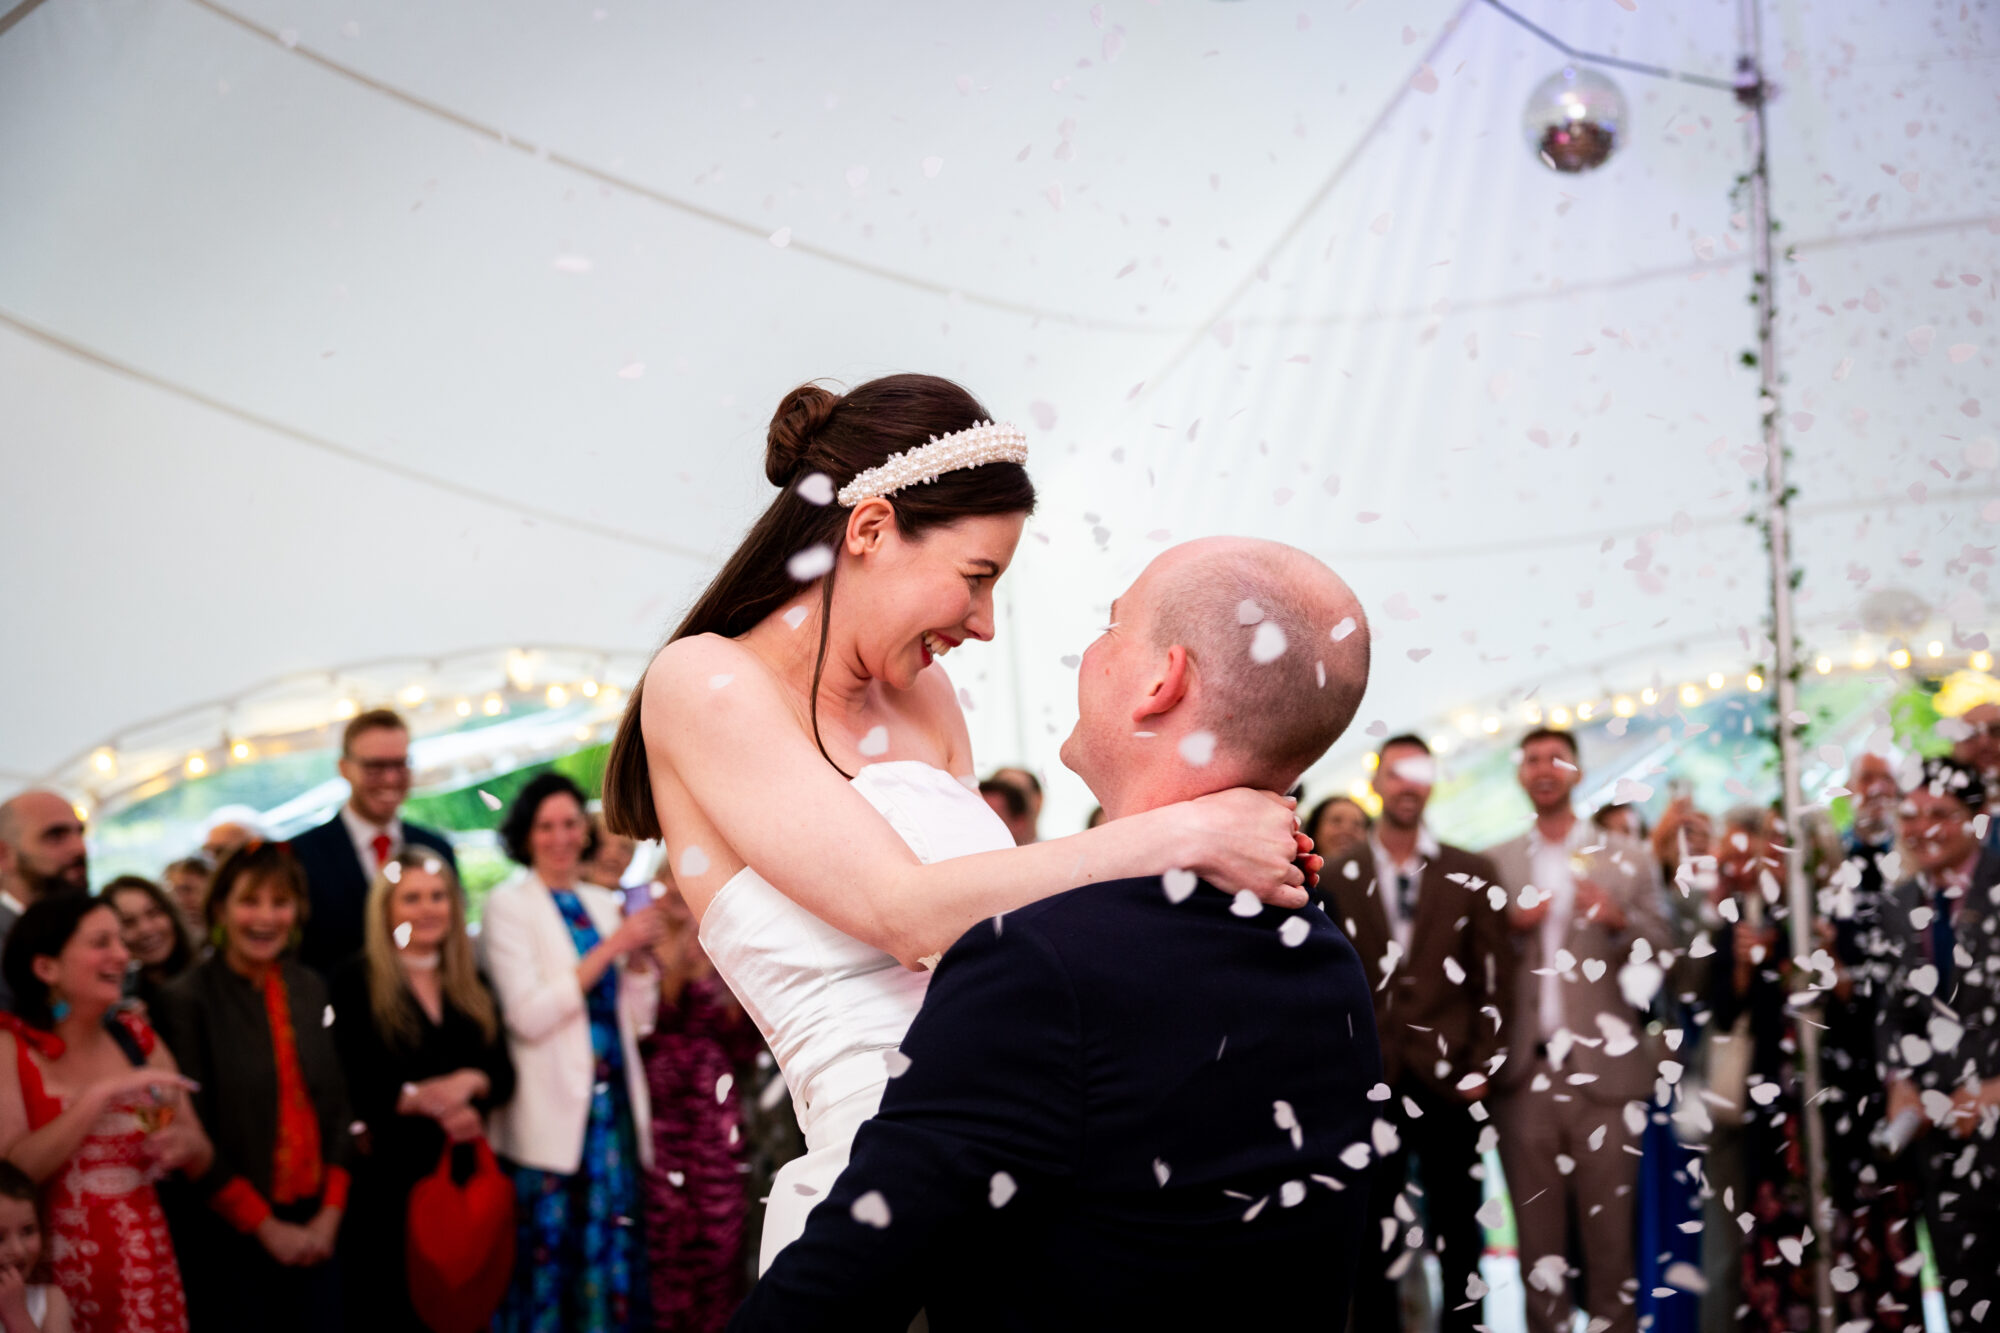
(914, 599)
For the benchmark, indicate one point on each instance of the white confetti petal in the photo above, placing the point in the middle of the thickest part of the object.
(1343, 629)
(716, 682)
(1294, 931)
(782, 237)
(1198, 747)
(874, 743)
(1000, 1189)
(810, 563)
(693, 862)
(871, 1210)
(492, 802)
(722, 1087)
(1179, 884)
(1268, 644)
(817, 488)
(1246, 903)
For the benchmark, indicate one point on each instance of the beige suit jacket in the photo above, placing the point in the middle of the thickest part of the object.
(1624, 868)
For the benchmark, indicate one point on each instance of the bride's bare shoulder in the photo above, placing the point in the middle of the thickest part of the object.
(694, 671)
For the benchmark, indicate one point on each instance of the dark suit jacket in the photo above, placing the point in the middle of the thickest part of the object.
(1420, 1002)
(1135, 1069)
(339, 889)
(1935, 1035)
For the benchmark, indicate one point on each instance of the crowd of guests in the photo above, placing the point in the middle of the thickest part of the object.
(291, 1086)
(1617, 1013)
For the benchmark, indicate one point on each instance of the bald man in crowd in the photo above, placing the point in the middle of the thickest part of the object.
(41, 852)
(1141, 1103)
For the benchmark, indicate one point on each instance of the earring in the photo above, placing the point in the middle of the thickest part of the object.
(58, 1007)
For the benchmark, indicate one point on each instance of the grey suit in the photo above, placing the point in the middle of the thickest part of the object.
(1578, 1110)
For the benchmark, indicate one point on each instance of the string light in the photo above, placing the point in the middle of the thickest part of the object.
(1690, 695)
(196, 766)
(1559, 717)
(1584, 710)
(1532, 714)
(1468, 723)
(1623, 706)
(240, 751)
(557, 696)
(1649, 696)
(463, 708)
(104, 762)
(1863, 659)
(412, 695)
(588, 689)
(1715, 679)
(1490, 725)
(493, 705)
(346, 709)
(582, 733)
(1934, 648)
(1370, 760)
(1981, 661)
(1900, 659)
(1823, 665)
(1753, 682)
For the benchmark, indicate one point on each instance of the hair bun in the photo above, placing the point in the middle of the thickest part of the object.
(798, 419)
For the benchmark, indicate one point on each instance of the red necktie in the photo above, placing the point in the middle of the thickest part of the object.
(381, 845)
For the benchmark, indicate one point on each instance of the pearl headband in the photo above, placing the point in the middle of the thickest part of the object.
(984, 443)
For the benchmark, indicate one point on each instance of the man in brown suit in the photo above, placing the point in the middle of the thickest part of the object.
(1588, 926)
(1436, 949)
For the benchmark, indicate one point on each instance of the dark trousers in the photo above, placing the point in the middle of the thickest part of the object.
(1438, 1150)
(1964, 1218)
(233, 1283)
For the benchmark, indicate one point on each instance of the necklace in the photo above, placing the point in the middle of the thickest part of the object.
(419, 962)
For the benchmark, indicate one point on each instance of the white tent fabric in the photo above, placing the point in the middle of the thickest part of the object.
(391, 331)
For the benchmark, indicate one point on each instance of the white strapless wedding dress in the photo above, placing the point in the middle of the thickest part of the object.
(831, 1008)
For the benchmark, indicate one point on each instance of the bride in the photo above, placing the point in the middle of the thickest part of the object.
(807, 760)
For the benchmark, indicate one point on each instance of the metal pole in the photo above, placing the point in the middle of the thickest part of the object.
(1754, 94)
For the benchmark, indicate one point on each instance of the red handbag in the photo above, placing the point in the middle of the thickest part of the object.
(460, 1246)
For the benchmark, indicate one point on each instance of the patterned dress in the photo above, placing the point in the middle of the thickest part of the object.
(578, 1251)
(697, 1198)
(108, 1246)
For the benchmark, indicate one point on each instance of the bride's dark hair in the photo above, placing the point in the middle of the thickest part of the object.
(841, 436)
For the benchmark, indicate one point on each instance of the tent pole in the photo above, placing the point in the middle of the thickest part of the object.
(1753, 92)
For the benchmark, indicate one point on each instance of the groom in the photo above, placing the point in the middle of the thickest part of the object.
(1140, 1103)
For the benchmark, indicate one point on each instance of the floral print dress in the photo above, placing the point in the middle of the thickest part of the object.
(579, 1251)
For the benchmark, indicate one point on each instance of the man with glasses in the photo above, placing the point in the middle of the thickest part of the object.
(341, 856)
(1979, 750)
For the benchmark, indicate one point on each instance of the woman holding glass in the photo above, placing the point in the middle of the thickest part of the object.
(95, 1115)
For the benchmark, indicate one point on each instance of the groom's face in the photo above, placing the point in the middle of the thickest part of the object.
(1110, 681)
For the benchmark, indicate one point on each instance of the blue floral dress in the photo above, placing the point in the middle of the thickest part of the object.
(579, 1252)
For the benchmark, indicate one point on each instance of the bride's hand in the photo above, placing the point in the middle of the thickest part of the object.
(1246, 839)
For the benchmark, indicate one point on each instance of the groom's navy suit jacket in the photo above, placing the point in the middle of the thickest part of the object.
(1168, 1088)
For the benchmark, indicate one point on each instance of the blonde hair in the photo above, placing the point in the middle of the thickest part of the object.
(458, 975)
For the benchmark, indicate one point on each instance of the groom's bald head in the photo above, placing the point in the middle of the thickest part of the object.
(1252, 643)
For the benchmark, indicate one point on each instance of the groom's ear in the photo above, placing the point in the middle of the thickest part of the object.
(1167, 687)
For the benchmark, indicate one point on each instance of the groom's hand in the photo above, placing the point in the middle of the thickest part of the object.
(1245, 839)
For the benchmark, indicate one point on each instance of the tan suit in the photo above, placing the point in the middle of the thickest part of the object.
(1578, 1110)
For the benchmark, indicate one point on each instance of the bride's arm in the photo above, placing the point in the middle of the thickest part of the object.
(737, 748)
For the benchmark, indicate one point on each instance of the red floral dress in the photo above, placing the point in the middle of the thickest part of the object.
(108, 1244)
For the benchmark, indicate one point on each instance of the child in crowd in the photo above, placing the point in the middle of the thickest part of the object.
(25, 1306)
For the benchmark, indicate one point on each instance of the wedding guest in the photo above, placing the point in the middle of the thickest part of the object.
(96, 1110)
(696, 1205)
(186, 882)
(426, 1060)
(1622, 818)
(1583, 904)
(235, 825)
(1439, 963)
(1024, 781)
(151, 927)
(1938, 1038)
(252, 1026)
(1011, 804)
(26, 1306)
(1979, 748)
(576, 1134)
(341, 857)
(607, 856)
(1339, 828)
(41, 851)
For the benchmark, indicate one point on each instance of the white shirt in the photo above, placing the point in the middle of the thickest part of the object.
(1549, 868)
(1386, 872)
(12, 903)
(364, 834)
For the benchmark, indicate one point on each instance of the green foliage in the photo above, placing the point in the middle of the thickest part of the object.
(465, 809)
(1914, 715)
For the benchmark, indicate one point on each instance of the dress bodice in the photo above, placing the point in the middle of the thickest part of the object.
(822, 998)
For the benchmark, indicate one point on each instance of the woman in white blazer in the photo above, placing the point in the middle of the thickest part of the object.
(576, 1134)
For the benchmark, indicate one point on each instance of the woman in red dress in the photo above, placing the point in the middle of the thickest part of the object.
(95, 1113)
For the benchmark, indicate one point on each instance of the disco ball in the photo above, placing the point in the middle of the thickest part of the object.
(1575, 119)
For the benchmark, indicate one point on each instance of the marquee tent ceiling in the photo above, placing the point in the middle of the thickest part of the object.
(384, 330)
